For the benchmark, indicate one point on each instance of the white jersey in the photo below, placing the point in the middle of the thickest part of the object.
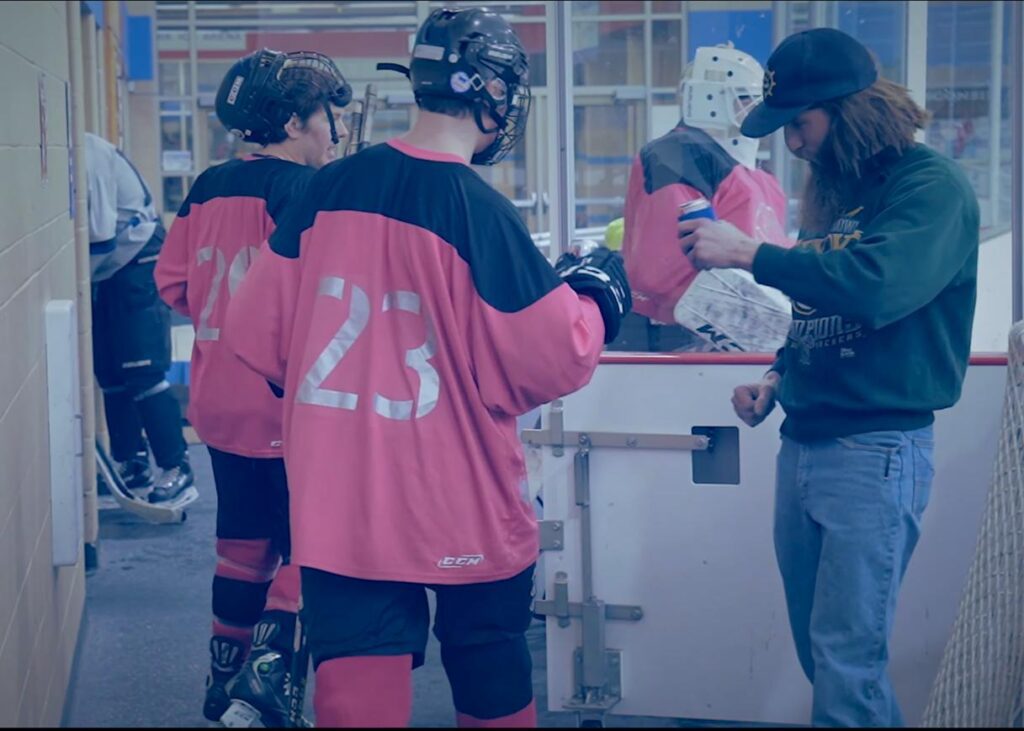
(122, 217)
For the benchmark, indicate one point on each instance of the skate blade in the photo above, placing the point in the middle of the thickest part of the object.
(241, 715)
(124, 497)
(186, 498)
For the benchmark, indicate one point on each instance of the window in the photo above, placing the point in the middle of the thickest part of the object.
(968, 96)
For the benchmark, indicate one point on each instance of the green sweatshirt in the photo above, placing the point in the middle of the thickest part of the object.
(883, 304)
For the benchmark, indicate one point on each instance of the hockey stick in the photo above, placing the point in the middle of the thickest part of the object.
(356, 124)
(300, 669)
(171, 513)
(362, 121)
(369, 107)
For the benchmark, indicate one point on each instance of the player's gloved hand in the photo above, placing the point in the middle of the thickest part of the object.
(601, 276)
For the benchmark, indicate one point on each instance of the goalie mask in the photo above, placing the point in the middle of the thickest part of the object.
(718, 90)
(473, 55)
(261, 92)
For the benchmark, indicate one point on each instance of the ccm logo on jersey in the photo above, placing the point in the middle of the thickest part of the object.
(460, 562)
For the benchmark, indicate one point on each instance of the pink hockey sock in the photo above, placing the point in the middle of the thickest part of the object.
(369, 692)
(283, 594)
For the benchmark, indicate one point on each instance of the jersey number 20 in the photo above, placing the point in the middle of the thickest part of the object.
(239, 266)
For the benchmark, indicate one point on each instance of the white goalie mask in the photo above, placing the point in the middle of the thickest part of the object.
(718, 89)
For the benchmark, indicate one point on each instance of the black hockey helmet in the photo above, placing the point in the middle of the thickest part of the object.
(474, 55)
(261, 91)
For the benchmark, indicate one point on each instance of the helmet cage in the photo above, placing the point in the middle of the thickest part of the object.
(508, 106)
(491, 75)
(270, 101)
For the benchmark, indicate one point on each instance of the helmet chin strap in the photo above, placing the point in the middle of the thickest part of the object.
(330, 120)
(478, 117)
(484, 156)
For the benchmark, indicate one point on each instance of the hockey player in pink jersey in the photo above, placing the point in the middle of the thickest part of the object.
(704, 156)
(290, 104)
(409, 317)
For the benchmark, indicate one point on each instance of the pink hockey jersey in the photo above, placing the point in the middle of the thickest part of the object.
(683, 165)
(230, 211)
(409, 317)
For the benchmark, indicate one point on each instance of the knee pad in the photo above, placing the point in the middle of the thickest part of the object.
(242, 579)
(247, 559)
(491, 680)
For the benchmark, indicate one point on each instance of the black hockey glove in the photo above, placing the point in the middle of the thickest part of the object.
(601, 276)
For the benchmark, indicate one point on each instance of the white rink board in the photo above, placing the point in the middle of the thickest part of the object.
(714, 642)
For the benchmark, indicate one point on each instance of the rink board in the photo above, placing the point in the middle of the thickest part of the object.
(714, 641)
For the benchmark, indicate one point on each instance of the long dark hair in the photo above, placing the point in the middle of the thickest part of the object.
(883, 116)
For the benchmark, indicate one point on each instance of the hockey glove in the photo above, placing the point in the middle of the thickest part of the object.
(601, 276)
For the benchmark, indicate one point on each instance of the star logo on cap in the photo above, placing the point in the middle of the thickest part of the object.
(768, 85)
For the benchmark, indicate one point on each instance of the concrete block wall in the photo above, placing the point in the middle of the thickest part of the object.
(40, 606)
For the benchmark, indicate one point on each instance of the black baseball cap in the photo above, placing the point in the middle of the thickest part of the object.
(806, 69)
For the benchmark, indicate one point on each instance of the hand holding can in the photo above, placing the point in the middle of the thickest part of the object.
(697, 208)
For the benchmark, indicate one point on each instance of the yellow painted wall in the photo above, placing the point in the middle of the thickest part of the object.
(40, 607)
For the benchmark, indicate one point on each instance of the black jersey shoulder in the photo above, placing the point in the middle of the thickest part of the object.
(685, 155)
(276, 181)
(446, 199)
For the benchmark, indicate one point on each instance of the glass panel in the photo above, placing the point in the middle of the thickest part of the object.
(798, 16)
(221, 144)
(666, 6)
(667, 52)
(881, 26)
(509, 10)
(174, 193)
(968, 96)
(391, 121)
(607, 7)
(961, 98)
(1002, 211)
(357, 35)
(210, 74)
(534, 39)
(608, 135)
(175, 125)
(608, 53)
(173, 78)
(172, 50)
(611, 131)
(749, 29)
(316, 13)
(510, 177)
(665, 114)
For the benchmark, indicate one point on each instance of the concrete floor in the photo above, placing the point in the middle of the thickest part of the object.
(143, 655)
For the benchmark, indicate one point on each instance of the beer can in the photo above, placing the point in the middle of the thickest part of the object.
(699, 208)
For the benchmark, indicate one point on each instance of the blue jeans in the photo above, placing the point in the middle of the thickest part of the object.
(847, 517)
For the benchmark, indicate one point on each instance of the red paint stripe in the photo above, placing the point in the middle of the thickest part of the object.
(765, 359)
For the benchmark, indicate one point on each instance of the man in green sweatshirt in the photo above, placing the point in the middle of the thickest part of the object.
(883, 285)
